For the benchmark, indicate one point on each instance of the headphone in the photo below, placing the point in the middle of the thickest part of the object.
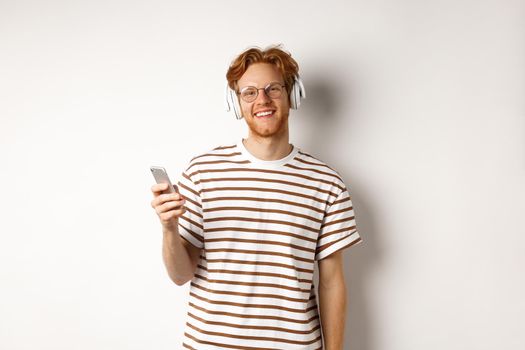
(297, 93)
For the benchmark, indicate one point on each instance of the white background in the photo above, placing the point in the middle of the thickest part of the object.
(418, 105)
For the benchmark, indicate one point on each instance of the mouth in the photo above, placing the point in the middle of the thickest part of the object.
(264, 114)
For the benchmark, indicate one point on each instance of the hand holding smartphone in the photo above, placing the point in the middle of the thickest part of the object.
(168, 203)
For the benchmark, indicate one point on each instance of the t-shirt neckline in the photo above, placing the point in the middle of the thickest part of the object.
(266, 163)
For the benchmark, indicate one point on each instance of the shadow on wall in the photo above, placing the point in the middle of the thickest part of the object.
(318, 113)
(323, 109)
(322, 98)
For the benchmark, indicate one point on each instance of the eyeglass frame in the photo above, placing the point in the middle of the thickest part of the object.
(264, 88)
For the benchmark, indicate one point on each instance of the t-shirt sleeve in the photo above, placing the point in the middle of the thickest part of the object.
(338, 230)
(191, 221)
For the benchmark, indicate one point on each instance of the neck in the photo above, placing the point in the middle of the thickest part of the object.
(268, 148)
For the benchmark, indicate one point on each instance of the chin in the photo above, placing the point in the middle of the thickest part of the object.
(278, 127)
(267, 132)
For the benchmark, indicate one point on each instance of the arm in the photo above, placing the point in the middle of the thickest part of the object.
(180, 257)
(332, 300)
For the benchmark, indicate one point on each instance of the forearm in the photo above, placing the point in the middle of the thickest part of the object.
(176, 258)
(332, 305)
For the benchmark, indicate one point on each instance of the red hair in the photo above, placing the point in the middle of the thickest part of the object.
(273, 54)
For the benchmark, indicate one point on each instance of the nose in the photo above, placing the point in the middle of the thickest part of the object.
(262, 97)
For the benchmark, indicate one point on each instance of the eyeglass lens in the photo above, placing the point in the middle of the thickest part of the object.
(250, 93)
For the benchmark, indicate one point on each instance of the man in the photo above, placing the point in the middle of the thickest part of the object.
(255, 215)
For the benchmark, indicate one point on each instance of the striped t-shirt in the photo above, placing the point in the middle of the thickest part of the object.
(262, 225)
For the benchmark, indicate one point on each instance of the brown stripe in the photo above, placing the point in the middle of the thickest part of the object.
(259, 189)
(311, 163)
(281, 222)
(209, 154)
(187, 188)
(196, 236)
(221, 344)
(192, 222)
(263, 263)
(256, 273)
(263, 200)
(255, 295)
(253, 306)
(196, 194)
(277, 211)
(259, 241)
(256, 179)
(323, 247)
(220, 162)
(258, 252)
(316, 171)
(225, 147)
(342, 200)
(326, 234)
(272, 232)
(266, 328)
(280, 340)
(346, 246)
(193, 212)
(337, 211)
(267, 171)
(262, 317)
(347, 219)
(187, 346)
(320, 163)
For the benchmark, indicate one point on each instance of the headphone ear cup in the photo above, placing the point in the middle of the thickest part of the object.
(236, 105)
(293, 96)
(297, 93)
(233, 102)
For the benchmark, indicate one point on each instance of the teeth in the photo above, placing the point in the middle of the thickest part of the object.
(262, 114)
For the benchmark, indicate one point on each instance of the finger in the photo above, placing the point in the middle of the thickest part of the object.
(169, 206)
(165, 198)
(161, 199)
(171, 214)
(157, 189)
(170, 197)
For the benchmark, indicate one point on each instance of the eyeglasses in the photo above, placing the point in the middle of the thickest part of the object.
(272, 90)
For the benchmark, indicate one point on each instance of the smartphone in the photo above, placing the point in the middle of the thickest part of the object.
(161, 176)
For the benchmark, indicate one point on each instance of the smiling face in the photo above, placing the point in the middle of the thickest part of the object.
(266, 117)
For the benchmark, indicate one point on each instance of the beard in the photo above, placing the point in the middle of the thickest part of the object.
(265, 130)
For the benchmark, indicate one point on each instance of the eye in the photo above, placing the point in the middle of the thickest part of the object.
(248, 92)
(275, 87)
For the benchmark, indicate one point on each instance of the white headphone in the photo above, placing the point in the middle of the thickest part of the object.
(297, 93)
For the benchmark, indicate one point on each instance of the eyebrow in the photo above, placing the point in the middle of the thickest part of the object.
(255, 85)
